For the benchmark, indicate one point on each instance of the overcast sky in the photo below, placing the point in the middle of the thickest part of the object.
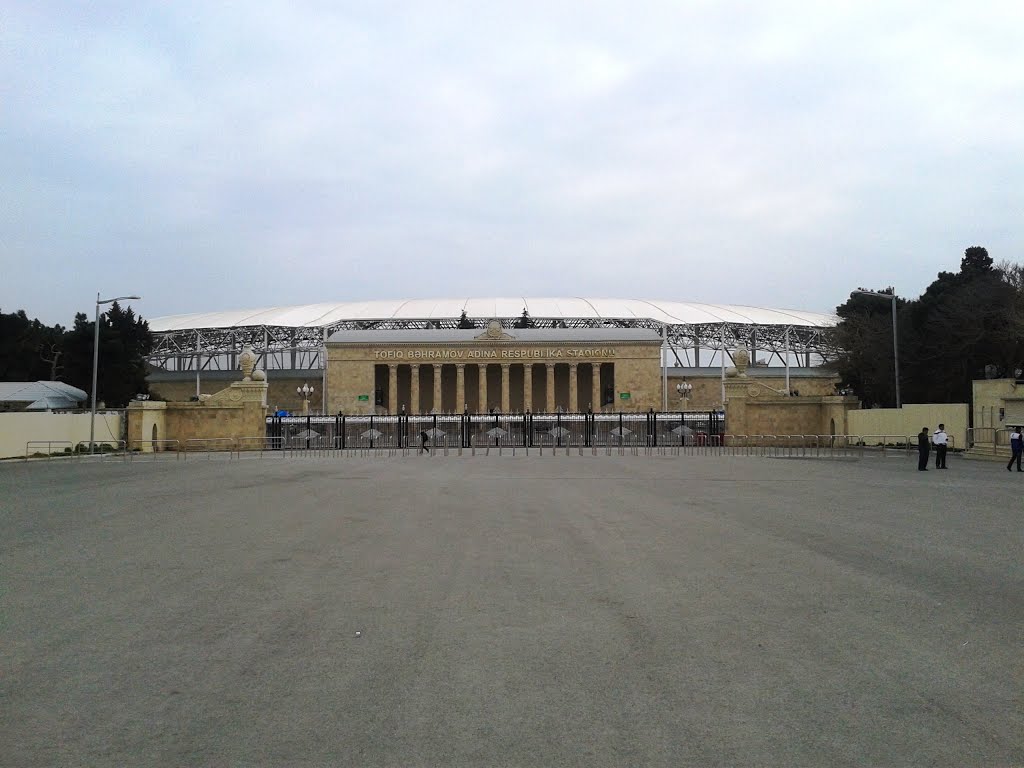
(232, 155)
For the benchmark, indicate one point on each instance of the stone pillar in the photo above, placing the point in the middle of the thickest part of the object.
(414, 388)
(550, 367)
(460, 387)
(574, 395)
(482, 406)
(596, 394)
(393, 388)
(528, 387)
(437, 388)
(505, 367)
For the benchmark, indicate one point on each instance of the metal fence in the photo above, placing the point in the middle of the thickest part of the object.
(992, 439)
(526, 430)
(651, 434)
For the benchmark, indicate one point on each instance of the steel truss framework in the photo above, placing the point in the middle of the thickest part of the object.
(301, 348)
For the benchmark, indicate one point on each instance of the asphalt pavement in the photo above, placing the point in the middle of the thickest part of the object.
(511, 611)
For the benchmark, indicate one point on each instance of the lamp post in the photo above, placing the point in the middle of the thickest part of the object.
(895, 345)
(683, 389)
(96, 362)
(304, 392)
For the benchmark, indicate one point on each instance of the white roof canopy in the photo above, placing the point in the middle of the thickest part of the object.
(669, 312)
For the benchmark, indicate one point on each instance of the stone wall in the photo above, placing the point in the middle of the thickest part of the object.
(19, 427)
(280, 390)
(239, 411)
(707, 386)
(908, 420)
(753, 409)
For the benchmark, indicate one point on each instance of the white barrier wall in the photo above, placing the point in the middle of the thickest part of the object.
(17, 428)
(908, 420)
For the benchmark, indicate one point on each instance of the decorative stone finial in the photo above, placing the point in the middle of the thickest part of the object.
(247, 361)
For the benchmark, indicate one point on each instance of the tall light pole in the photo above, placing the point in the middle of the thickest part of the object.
(895, 344)
(96, 362)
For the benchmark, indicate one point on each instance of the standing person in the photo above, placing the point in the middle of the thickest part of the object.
(923, 446)
(1017, 446)
(940, 440)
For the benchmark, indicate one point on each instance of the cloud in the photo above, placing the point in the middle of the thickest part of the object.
(228, 155)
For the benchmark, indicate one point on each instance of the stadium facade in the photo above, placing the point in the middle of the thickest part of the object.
(484, 353)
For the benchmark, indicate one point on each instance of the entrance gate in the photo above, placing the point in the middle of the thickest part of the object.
(559, 430)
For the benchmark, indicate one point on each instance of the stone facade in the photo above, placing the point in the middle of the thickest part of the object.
(753, 409)
(281, 386)
(998, 406)
(998, 403)
(511, 370)
(235, 412)
(706, 394)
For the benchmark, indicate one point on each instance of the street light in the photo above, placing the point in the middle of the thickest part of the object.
(683, 389)
(304, 392)
(96, 361)
(895, 345)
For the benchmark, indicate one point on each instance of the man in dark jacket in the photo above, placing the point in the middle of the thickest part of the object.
(923, 446)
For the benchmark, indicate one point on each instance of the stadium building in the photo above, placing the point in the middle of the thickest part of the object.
(483, 354)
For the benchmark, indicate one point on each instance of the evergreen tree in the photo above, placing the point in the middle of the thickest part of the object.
(966, 325)
(525, 321)
(29, 350)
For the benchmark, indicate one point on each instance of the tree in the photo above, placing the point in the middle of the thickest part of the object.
(964, 325)
(124, 344)
(976, 261)
(524, 321)
(29, 350)
(864, 335)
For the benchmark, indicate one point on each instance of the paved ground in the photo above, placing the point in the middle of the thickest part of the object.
(511, 612)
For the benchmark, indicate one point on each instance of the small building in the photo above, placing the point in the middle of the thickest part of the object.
(40, 396)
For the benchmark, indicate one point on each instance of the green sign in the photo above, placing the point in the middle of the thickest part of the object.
(363, 398)
(623, 395)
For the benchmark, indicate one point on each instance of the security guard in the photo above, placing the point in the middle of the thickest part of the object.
(940, 441)
(1017, 446)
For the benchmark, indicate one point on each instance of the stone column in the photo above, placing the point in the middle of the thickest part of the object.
(505, 367)
(393, 388)
(414, 388)
(574, 395)
(596, 404)
(460, 387)
(437, 388)
(482, 406)
(550, 367)
(528, 387)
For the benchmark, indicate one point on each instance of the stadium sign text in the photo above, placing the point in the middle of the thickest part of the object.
(492, 354)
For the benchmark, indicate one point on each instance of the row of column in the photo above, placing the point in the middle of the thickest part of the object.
(460, 386)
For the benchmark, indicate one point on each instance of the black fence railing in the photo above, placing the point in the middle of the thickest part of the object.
(497, 429)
